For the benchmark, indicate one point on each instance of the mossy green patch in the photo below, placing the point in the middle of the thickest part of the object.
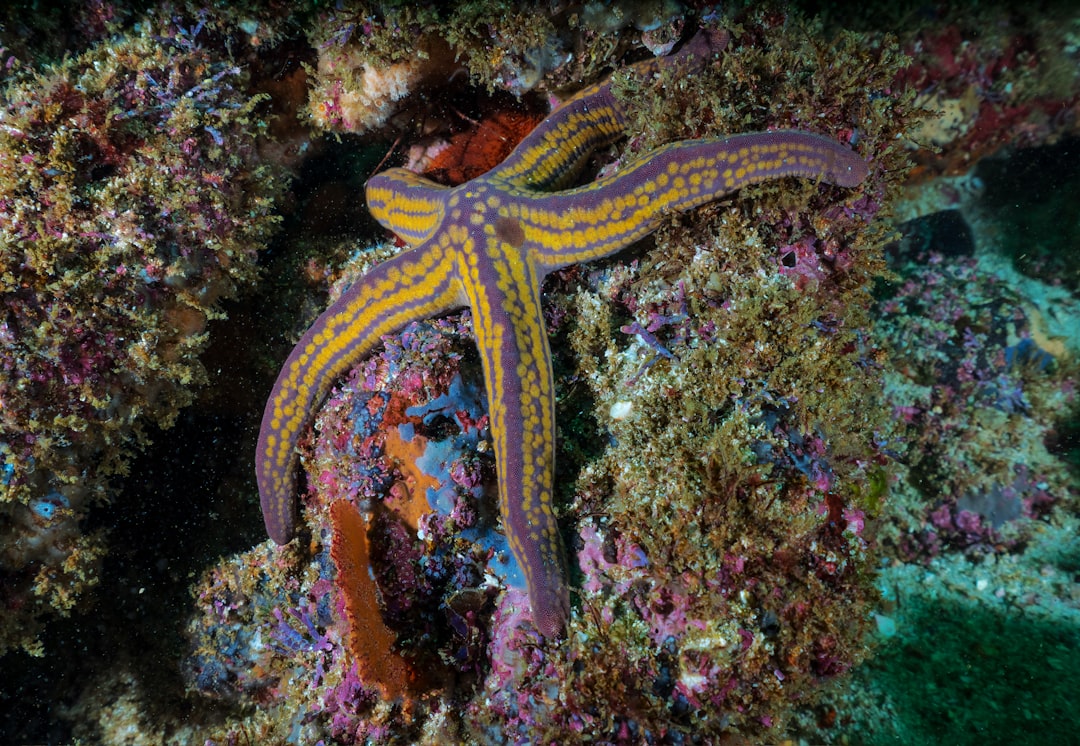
(962, 674)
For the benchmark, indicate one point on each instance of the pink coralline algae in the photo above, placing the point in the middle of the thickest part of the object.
(435, 556)
(131, 202)
(417, 465)
(975, 369)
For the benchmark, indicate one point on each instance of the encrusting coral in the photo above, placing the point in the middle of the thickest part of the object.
(131, 202)
(370, 640)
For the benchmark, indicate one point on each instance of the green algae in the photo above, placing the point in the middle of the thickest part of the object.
(131, 203)
(981, 678)
(961, 673)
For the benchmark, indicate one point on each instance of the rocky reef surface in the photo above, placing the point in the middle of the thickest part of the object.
(817, 447)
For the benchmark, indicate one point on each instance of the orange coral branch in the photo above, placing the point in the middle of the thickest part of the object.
(371, 642)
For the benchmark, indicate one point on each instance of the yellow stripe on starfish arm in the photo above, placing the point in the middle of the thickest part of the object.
(504, 293)
(556, 158)
(406, 203)
(601, 218)
(414, 285)
(550, 156)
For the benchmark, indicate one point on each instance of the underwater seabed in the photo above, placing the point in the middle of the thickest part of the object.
(978, 635)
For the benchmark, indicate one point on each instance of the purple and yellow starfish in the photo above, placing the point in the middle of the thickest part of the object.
(488, 244)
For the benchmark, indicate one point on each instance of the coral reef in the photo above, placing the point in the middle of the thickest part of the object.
(719, 517)
(817, 487)
(384, 63)
(131, 202)
(978, 536)
(973, 398)
(403, 436)
(351, 94)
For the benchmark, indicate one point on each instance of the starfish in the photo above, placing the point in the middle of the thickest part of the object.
(487, 245)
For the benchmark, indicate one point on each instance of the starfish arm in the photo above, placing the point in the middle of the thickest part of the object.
(407, 204)
(601, 218)
(554, 152)
(504, 293)
(414, 285)
(557, 148)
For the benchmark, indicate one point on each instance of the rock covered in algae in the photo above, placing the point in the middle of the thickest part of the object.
(271, 661)
(978, 536)
(982, 369)
(385, 64)
(718, 461)
(404, 437)
(994, 79)
(131, 202)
